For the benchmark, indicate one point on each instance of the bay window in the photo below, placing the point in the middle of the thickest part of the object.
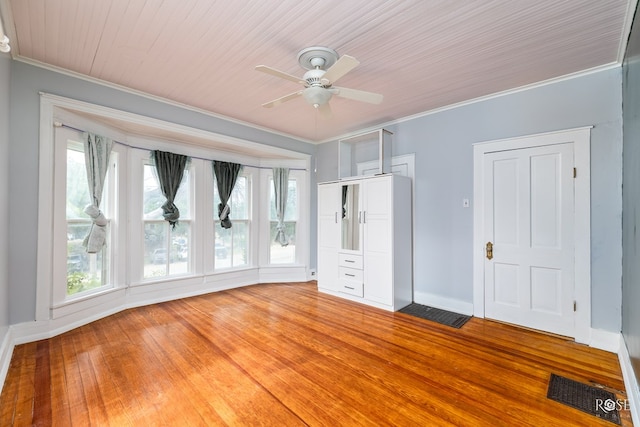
(145, 258)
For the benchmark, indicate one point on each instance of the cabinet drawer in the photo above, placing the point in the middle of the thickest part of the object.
(351, 261)
(352, 274)
(350, 281)
(351, 287)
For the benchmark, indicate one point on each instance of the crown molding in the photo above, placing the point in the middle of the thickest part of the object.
(167, 101)
(507, 92)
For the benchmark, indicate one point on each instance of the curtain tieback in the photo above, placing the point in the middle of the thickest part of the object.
(170, 212)
(98, 232)
(96, 215)
(223, 214)
(281, 236)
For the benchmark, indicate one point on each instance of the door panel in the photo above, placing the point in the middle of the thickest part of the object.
(546, 287)
(545, 201)
(505, 190)
(505, 276)
(528, 217)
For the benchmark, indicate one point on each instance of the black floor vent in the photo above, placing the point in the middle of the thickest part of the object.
(444, 317)
(592, 400)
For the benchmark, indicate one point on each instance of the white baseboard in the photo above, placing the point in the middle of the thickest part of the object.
(443, 303)
(630, 381)
(283, 274)
(605, 340)
(6, 351)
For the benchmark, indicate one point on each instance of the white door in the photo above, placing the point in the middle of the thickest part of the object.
(528, 220)
(378, 239)
(329, 198)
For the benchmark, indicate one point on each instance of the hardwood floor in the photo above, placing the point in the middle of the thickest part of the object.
(284, 354)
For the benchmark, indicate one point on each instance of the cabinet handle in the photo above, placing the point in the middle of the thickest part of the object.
(359, 217)
(364, 217)
(350, 287)
(350, 275)
(349, 260)
(336, 217)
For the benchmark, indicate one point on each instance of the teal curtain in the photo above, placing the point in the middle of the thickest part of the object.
(97, 150)
(169, 171)
(226, 174)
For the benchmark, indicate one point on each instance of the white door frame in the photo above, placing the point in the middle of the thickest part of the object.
(581, 140)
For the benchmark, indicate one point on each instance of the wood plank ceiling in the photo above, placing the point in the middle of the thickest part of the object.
(420, 54)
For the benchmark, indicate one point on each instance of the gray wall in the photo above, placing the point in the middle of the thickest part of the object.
(442, 143)
(631, 200)
(26, 83)
(5, 67)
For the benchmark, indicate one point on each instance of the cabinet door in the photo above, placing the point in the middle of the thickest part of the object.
(378, 240)
(329, 200)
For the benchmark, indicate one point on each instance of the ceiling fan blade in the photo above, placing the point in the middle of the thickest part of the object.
(277, 73)
(325, 110)
(358, 95)
(342, 66)
(282, 99)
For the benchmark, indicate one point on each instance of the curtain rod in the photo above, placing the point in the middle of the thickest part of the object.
(60, 124)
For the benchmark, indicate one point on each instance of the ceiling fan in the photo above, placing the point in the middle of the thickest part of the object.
(325, 68)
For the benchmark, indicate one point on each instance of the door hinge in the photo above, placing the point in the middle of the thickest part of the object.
(575, 172)
(574, 306)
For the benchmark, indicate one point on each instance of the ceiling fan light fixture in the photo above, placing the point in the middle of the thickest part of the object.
(316, 95)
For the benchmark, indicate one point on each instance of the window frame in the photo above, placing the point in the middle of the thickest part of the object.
(252, 243)
(59, 296)
(167, 228)
(302, 222)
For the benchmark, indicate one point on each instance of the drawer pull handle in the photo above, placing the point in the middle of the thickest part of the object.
(350, 275)
(349, 287)
(349, 260)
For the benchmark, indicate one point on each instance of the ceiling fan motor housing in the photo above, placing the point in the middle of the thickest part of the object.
(314, 78)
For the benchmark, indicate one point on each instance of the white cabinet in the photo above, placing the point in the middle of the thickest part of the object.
(364, 240)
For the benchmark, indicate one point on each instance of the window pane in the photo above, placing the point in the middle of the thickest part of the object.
(152, 196)
(77, 187)
(283, 254)
(240, 244)
(182, 197)
(223, 245)
(239, 201)
(291, 209)
(232, 245)
(84, 271)
(179, 259)
(155, 249)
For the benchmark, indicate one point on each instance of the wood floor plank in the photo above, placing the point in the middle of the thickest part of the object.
(284, 354)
